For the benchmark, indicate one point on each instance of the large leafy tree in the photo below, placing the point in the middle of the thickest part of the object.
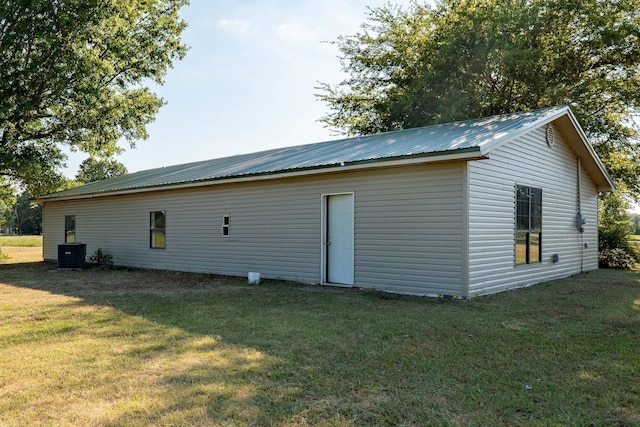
(471, 58)
(93, 169)
(7, 202)
(73, 73)
(27, 216)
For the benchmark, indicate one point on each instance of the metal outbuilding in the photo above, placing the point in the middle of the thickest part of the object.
(459, 209)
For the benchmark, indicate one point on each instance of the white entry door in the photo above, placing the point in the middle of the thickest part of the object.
(339, 239)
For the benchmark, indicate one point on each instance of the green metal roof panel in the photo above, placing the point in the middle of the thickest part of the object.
(471, 135)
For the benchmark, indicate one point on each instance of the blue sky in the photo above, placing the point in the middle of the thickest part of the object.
(247, 82)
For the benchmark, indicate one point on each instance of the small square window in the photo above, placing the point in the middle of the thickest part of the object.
(226, 225)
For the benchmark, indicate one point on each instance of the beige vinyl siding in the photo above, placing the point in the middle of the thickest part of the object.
(589, 207)
(528, 161)
(264, 236)
(407, 227)
(53, 230)
(409, 232)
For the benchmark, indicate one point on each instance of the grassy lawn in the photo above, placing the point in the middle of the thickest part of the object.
(158, 348)
(21, 241)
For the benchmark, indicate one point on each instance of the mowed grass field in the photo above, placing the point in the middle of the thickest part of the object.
(21, 241)
(18, 249)
(141, 348)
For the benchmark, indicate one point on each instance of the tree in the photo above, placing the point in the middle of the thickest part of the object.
(73, 73)
(473, 58)
(28, 216)
(614, 228)
(7, 202)
(635, 224)
(19, 213)
(93, 169)
(5, 214)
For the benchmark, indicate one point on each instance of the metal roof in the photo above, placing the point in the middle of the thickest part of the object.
(473, 137)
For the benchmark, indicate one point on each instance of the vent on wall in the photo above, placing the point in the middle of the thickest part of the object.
(71, 256)
(551, 135)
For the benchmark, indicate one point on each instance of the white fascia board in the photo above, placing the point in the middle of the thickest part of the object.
(592, 152)
(564, 111)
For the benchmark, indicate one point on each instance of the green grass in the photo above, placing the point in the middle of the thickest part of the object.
(158, 348)
(21, 241)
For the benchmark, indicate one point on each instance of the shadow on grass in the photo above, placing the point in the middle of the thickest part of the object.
(205, 349)
(178, 348)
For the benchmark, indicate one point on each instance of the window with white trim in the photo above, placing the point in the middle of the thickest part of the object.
(226, 225)
(528, 225)
(157, 230)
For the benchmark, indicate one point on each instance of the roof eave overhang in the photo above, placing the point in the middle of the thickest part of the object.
(467, 154)
(589, 158)
(584, 149)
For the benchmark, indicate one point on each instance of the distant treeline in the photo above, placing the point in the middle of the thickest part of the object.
(635, 224)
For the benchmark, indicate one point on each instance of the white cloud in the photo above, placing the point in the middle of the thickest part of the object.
(296, 31)
(238, 26)
(319, 22)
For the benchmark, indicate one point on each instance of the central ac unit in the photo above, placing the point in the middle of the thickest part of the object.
(71, 256)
